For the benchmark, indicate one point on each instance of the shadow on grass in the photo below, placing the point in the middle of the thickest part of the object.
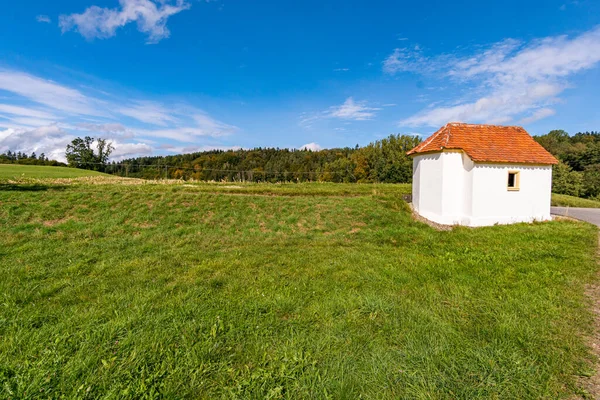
(11, 187)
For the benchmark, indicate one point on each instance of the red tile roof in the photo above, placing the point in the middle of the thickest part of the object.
(487, 143)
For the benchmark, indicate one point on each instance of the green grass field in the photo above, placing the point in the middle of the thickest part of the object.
(117, 290)
(15, 171)
(564, 200)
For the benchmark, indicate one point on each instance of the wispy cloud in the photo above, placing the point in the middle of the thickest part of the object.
(182, 122)
(127, 150)
(350, 110)
(50, 140)
(48, 93)
(538, 114)
(405, 59)
(508, 80)
(43, 18)
(353, 110)
(149, 112)
(106, 128)
(43, 116)
(151, 18)
(25, 112)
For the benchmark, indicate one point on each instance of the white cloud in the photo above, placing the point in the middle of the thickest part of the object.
(537, 115)
(185, 124)
(211, 127)
(404, 60)
(357, 111)
(341, 69)
(498, 108)
(113, 129)
(149, 112)
(151, 18)
(43, 18)
(51, 140)
(349, 110)
(109, 128)
(180, 122)
(44, 116)
(8, 109)
(511, 79)
(24, 122)
(311, 146)
(189, 134)
(127, 150)
(46, 92)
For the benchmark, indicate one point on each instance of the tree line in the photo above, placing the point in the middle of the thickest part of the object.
(578, 171)
(577, 174)
(10, 157)
(381, 161)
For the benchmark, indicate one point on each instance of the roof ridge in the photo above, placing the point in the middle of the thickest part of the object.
(448, 134)
(490, 125)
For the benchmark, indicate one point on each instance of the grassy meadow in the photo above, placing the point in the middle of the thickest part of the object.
(563, 200)
(16, 171)
(126, 289)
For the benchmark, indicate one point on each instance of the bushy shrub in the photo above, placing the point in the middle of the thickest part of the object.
(591, 181)
(566, 181)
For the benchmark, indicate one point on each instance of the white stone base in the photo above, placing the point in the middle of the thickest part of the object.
(475, 222)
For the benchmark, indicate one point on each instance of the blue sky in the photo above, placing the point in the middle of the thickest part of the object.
(170, 76)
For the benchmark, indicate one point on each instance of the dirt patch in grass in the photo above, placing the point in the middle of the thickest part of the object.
(144, 225)
(54, 222)
(434, 225)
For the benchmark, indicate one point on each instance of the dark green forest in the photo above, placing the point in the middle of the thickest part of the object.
(18, 157)
(382, 161)
(578, 172)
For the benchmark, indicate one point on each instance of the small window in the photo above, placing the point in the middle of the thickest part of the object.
(513, 180)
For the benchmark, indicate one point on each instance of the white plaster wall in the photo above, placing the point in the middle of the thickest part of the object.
(438, 186)
(416, 182)
(449, 188)
(467, 210)
(427, 184)
(493, 203)
(453, 190)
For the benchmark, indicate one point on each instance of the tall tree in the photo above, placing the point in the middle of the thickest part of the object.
(80, 153)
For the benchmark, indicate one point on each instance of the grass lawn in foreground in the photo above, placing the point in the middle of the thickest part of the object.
(147, 291)
(16, 171)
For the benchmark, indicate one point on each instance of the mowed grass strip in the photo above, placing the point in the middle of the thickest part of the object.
(122, 292)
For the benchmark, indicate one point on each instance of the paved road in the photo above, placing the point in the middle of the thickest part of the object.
(591, 215)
